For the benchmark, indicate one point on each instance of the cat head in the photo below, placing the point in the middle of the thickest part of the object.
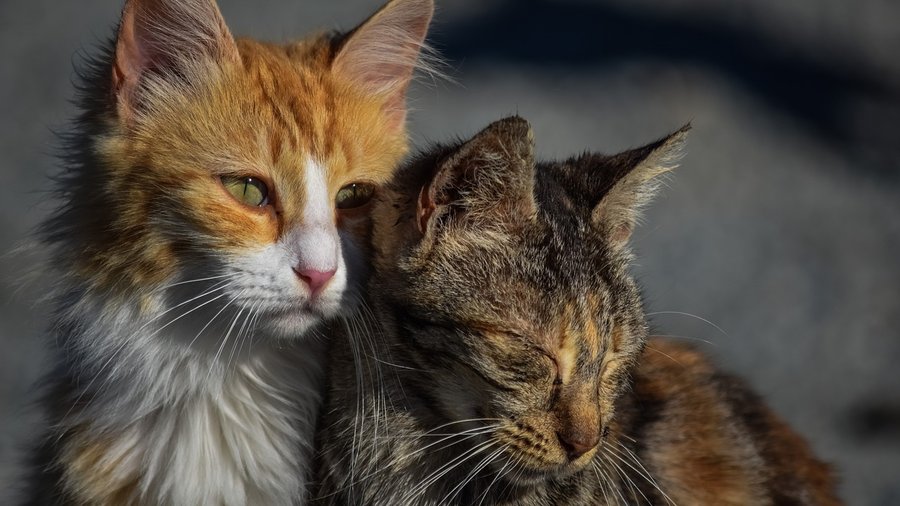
(511, 284)
(245, 165)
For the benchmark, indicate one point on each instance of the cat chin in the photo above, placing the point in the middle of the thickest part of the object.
(292, 325)
(296, 322)
(532, 477)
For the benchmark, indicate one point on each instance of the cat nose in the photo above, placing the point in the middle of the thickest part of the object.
(577, 443)
(315, 279)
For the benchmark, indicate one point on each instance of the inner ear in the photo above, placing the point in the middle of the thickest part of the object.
(630, 180)
(621, 233)
(381, 54)
(424, 209)
(168, 39)
(430, 198)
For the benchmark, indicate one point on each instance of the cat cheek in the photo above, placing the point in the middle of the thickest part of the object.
(232, 224)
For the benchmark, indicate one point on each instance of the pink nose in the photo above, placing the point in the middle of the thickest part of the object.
(314, 279)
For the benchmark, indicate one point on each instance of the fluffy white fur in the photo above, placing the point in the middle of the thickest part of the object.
(208, 388)
(204, 431)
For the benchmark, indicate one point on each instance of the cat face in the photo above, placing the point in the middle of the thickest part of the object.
(237, 171)
(513, 278)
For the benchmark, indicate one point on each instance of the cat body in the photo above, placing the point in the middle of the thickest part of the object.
(209, 223)
(504, 357)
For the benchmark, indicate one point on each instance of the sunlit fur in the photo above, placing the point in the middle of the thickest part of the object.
(188, 364)
(503, 330)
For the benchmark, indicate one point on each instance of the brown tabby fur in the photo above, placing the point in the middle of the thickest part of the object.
(508, 361)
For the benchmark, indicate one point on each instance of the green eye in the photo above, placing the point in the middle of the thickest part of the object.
(354, 195)
(247, 190)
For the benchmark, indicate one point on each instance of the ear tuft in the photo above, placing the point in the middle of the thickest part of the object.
(381, 54)
(638, 177)
(167, 39)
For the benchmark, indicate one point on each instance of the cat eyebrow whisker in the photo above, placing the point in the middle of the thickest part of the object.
(690, 315)
(690, 338)
(664, 354)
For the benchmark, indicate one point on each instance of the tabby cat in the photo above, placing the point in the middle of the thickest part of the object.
(213, 192)
(511, 363)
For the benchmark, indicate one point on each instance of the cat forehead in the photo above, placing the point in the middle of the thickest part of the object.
(536, 286)
(286, 91)
(274, 111)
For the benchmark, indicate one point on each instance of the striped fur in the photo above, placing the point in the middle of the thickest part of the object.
(504, 357)
(189, 366)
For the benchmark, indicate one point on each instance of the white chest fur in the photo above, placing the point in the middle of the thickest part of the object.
(175, 427)
(249, 443)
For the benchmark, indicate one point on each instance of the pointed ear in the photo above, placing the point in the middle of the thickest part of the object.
(381, 54)
(166, 39)
(636, 180)
(488, 181)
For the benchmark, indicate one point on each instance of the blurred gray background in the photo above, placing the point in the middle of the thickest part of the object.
(781, 229)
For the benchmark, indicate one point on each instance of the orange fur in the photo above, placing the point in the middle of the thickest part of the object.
(173, 114)
(96, 475)
(264, 118)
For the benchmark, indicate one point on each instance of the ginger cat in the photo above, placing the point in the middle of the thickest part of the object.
(208, 220)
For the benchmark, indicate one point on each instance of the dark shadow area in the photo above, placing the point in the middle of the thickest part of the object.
(874, 422)
(821, 92)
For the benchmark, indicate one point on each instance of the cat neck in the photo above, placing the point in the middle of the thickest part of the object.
(239, 423)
